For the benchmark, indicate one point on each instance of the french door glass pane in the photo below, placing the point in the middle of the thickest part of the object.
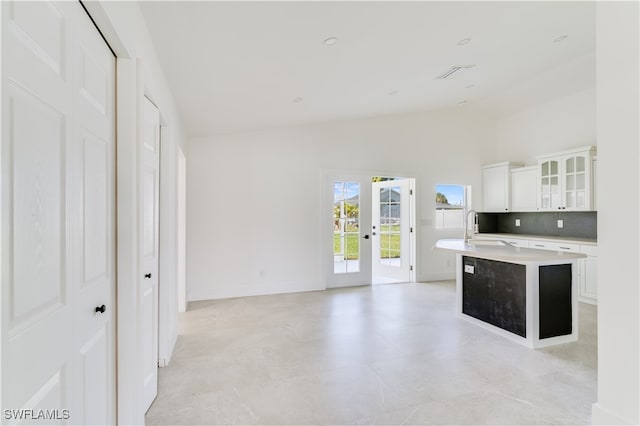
(571, 199)
(569, 165)
(346, 227)
(390, 226)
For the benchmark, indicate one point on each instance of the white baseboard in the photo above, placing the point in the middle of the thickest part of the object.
(602, 416)
(441, 276)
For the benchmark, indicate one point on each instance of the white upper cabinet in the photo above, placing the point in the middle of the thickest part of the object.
(496, 183)
(565, 180)
(524, 184)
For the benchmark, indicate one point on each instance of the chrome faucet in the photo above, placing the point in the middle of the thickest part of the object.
(467, 237)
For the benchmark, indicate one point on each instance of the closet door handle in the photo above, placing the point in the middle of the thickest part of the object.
(101, 309)
(147, 276)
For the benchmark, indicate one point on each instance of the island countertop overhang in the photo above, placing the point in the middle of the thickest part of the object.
(504, 252)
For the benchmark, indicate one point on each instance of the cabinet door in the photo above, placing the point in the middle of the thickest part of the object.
(523, 190)
(549, 195)
(589, 278)
(576, 183)
(495, 181)
(517, 242)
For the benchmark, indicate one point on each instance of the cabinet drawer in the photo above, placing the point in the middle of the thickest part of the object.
(545, 245)
(517, 242)
(591, 251)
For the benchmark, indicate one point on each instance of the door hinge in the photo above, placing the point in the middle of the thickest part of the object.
(411, 229)
(411, 268)
(411, 192)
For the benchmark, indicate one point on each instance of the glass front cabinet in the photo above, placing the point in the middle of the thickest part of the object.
(566, 180)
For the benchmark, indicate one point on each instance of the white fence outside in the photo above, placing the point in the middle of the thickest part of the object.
(449, 219)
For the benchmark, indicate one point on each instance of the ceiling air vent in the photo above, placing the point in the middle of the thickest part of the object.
(453, 70)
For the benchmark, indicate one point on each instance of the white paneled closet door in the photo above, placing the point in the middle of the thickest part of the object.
(148, 289)
(58, 215)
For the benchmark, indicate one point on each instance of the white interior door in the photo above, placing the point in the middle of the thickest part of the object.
(347, 221)
(391, 231)
(58, 216)
(148, 295)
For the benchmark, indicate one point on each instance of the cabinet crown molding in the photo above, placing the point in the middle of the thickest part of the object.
(589, 148)
(510, 164)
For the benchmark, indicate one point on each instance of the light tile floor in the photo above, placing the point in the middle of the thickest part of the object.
(390, 354)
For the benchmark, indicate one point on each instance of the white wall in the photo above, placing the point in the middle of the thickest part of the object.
(618, 183)
(254, 199)
(562, 123)
(139, 74)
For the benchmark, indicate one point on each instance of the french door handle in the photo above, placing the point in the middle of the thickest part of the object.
(366, 237)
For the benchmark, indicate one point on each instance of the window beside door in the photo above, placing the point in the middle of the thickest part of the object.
(450, 206)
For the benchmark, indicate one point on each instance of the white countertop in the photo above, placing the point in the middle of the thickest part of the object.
(583, 241)
(504, 253)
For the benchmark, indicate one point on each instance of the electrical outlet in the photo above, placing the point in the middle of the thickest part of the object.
(469, 269)
(560, 223)
(517, 222)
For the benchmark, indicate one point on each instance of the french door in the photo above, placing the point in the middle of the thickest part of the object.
(347, 218)
(391, 231)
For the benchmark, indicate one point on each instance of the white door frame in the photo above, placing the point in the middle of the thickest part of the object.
(181, 228)
(168, 270)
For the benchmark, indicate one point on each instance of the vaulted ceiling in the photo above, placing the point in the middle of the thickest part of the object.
(243, 66)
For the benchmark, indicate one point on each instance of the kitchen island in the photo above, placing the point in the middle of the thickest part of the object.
(526, 295)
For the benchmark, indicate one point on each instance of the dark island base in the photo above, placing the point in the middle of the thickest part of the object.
(496, 293)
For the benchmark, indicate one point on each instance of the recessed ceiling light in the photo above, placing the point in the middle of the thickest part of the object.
(393, 92)
(464, 41)
(330, 41)
(463, 102)
(471, 86)
(297, 100)
(561, 38)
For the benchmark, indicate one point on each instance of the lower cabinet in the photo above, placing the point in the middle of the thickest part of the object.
(587, 268)
(589, 275)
